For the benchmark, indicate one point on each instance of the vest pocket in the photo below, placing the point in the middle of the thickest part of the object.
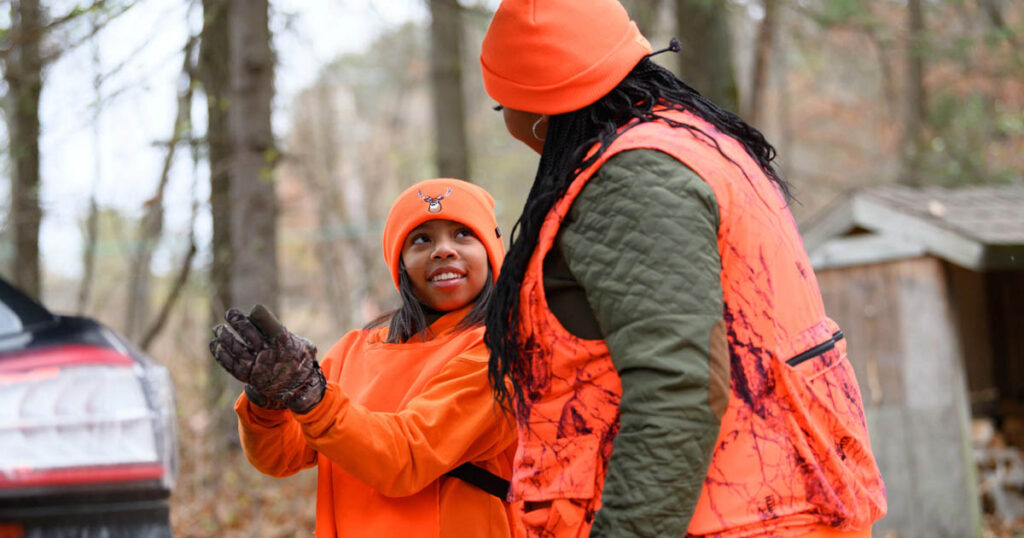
(557, 480)
(824, 376)
(821, 353)
(818, 350)
(565, 518)
(559, 468)
(826, 404)
(825, 389)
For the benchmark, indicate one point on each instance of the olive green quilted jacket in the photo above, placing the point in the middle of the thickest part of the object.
(637, 264)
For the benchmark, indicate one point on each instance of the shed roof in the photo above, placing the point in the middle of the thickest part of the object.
(980, 228)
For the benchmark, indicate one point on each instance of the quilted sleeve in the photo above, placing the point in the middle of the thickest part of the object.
(641, 239)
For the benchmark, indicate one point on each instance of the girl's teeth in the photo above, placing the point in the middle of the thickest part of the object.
(444, 276)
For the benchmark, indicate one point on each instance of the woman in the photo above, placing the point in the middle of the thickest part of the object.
(399, 410)
(657, 300)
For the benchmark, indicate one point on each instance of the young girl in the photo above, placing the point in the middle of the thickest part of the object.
(397, 406)
(658, 300)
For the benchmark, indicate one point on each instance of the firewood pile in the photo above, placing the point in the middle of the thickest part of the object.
(1000, 460)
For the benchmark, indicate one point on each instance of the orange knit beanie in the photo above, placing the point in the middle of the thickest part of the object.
(556, 56)
(447, 199)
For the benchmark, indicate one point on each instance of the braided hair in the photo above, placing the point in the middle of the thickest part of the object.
(569, 138)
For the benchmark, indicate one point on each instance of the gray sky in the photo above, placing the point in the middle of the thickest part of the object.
(138, 109)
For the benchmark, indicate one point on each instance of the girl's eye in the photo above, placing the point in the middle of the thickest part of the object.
(464, 232)
(420, 239)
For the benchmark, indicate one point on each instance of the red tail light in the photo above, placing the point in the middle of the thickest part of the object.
(83, 414)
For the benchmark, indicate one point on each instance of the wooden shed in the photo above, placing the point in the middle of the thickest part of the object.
(928, 286)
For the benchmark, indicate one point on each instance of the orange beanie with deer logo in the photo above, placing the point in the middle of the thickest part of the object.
(556, 56)
(446, 199)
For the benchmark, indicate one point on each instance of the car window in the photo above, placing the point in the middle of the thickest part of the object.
(10, 323)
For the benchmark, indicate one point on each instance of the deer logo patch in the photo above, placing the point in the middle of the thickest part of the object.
(434, 204)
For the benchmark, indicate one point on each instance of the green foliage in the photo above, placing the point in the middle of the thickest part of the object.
(965, 129)
(996, 37)
(80, 10)
(701, 4)
(96, 7)
(271, 156)
(842, 12)
(1010, 124)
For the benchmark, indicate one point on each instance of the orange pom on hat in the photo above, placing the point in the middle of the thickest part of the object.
(556, 56)
(447, 199)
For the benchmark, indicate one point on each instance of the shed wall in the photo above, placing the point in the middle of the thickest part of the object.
(903, 343)
(1006, 314)
(1006, 300)
(969, 303)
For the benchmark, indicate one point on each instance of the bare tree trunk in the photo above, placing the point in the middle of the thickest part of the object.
(762, 57)
(152, 227)
(92, 233)
(322, 177)
(994, 11)
(253, 204)
(92, 220)
(214, 51)
(885, 69)
(916, 105)
(23, 73)
(214, 72)
(784, 108)
(446, 77)
(705, 61)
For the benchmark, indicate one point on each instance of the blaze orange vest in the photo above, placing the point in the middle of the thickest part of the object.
(793, 454)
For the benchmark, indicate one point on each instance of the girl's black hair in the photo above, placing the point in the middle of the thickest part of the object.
(569, 137)
(410, 318)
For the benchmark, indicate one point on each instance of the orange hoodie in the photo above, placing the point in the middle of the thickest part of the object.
(394, 419)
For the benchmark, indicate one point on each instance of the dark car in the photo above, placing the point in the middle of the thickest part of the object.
(88, 440)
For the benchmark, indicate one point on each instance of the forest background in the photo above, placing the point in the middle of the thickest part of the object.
(166, 159)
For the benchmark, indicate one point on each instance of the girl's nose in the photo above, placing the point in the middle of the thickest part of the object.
(443, 250)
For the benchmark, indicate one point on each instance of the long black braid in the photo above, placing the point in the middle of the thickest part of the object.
(569, 138)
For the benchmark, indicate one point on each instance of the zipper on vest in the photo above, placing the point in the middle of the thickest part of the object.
(827, 345)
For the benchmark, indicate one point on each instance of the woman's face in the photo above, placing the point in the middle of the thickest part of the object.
(520, 125)
(446, 263)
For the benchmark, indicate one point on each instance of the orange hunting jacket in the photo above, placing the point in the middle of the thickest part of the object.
(792, 456)
(394, 419)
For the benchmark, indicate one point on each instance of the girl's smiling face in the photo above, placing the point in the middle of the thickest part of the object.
(446, 264)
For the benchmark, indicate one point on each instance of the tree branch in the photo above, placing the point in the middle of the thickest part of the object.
(94, 30)
(152, 221)
(89, 254)
(179, 283)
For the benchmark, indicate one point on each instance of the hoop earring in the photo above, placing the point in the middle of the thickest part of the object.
(534, 128)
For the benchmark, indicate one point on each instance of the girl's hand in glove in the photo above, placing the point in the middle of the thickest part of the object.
(276, 363)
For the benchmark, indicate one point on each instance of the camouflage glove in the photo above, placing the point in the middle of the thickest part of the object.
(275, 363)
(259, 400)
(234, 355)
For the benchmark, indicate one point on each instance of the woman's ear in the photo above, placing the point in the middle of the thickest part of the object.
(526, 127)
